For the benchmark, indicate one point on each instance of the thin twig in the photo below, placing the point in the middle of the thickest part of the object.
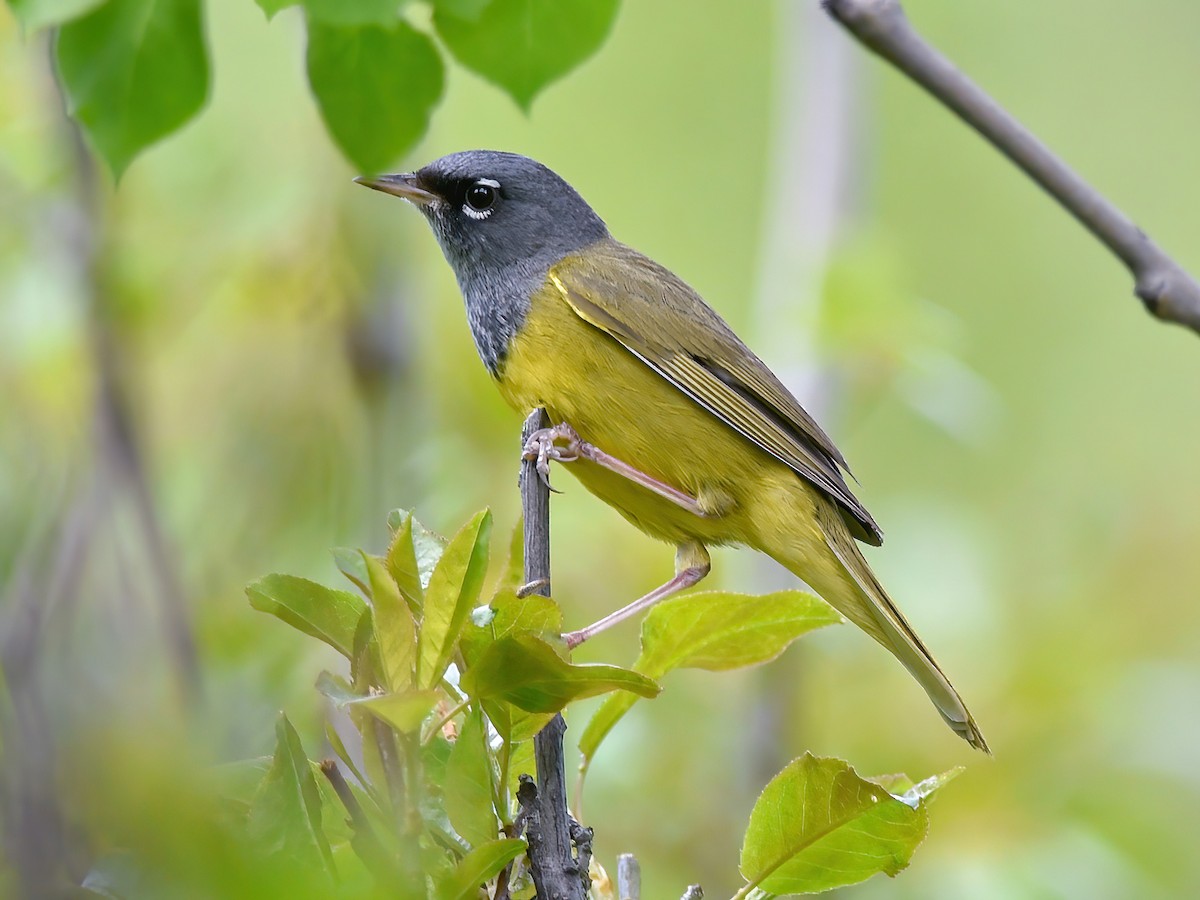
(629, 877)
(581, 837)
(527, 823)
(365, 842)
(341, 787)
(557, 873)
(1168, 292)
(445, 720)
(535, 505)
(503, 890)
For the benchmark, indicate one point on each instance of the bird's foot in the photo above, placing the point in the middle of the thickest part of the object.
(544, 445)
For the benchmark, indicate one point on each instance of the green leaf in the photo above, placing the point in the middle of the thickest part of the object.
(286, 814)
(526, 672)
(533, 613)
(395, 630)
(603, 720)
(521, 762)
(453, 590)
(36, 14)
(917, 793)
(712, 630)
(514, 724)
(237, 782)
(270, 7)
(463, 9)
(817, 825)
(523, 45)
(428, 545)
(376, 87)
(350, 563)
(480, 865)
(337, 689)
(133, 71)
(468, 784)
(354, 12)
(511, 614)
(513, 575)
(365, 665)
(715, 630)
(405, 712)
(333, 616)
(401, 561)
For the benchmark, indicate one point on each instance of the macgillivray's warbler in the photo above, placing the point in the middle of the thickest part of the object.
(665, 413)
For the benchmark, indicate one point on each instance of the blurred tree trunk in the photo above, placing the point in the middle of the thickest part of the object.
(811, 174)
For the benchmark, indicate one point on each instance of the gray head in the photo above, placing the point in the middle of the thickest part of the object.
(492, 210)
(502, 221)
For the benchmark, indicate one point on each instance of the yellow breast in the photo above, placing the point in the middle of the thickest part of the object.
(586, 378)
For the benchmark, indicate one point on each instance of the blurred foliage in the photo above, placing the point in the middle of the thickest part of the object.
(295, 362)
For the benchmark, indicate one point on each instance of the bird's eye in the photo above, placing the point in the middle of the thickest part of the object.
(481, 197)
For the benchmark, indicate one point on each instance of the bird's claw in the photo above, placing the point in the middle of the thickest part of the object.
(543, 447)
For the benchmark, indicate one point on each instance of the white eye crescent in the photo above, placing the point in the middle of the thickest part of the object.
(480, 198)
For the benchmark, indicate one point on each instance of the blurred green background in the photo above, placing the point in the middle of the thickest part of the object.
(292, 361)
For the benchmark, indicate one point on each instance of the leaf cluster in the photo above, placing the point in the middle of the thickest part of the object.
(134, 71)
(442, 701)
(443, 698)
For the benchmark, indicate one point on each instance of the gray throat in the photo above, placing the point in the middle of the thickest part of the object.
(497, 304)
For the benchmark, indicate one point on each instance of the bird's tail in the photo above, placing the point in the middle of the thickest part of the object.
(847, 583)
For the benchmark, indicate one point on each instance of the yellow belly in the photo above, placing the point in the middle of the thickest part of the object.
(584, 377)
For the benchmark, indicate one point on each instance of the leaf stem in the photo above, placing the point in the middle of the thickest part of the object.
(503, 806)
(441, 723)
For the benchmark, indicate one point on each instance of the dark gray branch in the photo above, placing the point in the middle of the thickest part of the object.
(535, 507)
(557, 873)
(1167, 291)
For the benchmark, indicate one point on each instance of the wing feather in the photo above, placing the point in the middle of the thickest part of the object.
(695, 350)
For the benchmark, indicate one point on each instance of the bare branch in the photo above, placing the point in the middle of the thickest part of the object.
(535, 506)
(557, 873)
(629, 877)
(1168, 292)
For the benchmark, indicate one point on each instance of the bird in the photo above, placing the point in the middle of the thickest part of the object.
(659, 407)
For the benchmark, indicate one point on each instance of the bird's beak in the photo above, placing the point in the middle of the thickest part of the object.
(404, 185)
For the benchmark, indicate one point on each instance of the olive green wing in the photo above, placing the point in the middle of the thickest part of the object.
(666, 325)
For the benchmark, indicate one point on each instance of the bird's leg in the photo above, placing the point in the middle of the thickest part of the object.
(691, 564)
(543, 446)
